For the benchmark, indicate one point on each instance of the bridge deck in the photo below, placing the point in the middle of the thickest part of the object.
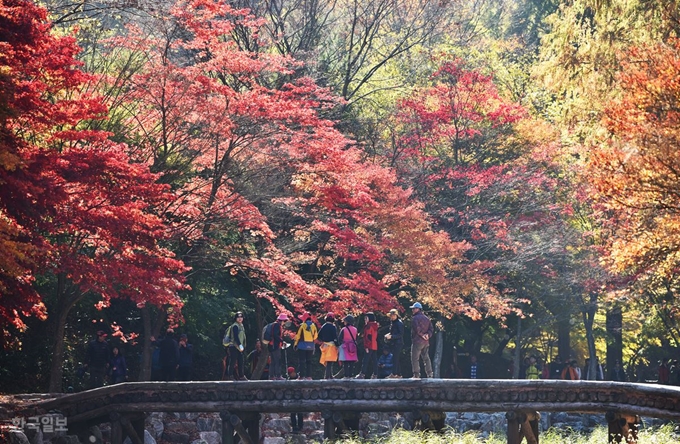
(450, 395)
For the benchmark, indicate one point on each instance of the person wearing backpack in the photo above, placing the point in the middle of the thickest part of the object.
(348, 346)
(304, 344)
(235, 341)
(273, 337)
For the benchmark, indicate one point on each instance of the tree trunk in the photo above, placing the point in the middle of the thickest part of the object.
(264, 355)
(502, 344)
(518, 349)
(153, 319)
(438, 353)
(563, 341)
(615, 336)
(261, 363)
(57, 364)
(588, 312)
(63, 307)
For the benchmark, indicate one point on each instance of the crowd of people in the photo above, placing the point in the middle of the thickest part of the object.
(340, 343)
(172, 360)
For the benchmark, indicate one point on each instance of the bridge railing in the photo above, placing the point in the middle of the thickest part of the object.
(520, 399)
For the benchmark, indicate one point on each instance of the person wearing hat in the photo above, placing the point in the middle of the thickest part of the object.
(275, 346)
(305, 345)
(421, 332)
(98, 357)
(395, 340)
(370, 361)
(235, 341)
(328, 336)
(348, 346)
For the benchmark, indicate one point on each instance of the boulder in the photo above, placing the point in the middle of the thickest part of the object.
(157, 427)
(148, 439)
(208, 424)
(176, 437)
(35, 436)
(17, 436)
(211, 437)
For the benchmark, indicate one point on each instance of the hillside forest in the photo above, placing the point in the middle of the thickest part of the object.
(512, 165)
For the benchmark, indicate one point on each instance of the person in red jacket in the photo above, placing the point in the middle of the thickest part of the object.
(370, 347)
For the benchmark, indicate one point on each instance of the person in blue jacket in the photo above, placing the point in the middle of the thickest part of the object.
(117, 367)
(385, 363)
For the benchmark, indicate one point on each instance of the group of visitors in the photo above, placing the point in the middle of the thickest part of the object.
(172, 359)
(103, 361)
(339, 341)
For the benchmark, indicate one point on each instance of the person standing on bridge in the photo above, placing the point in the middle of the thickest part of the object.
(275, 346)
(117, 367)
(305, 345)
(617, 373)
(571, 372)
(169, 356)
(98, 356)
(532, 371)
(235, 340)
(395, 339)
(328, 336)
(421, 332)
(370, 360)
(475, 371)
(348, 354)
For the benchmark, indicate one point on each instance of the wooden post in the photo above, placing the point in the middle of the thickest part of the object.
(622, 427)
(251, 421)
(242, 432)
(328, 425)
(337, 419)
(535, 423)
(130, 430)
(227, 428)
(138, 424)
(116, 428)
(529, 426)
(513, 427)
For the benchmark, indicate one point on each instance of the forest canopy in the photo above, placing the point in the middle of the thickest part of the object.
(510, 165)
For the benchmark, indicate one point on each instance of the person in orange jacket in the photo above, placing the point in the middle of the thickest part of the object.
(571, 371)
(370, 347)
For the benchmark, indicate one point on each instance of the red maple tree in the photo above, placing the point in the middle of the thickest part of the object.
(246, 147)
(84, 210)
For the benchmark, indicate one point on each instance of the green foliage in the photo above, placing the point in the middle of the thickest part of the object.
(662, 435)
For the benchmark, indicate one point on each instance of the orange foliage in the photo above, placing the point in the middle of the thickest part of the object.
(636, 173)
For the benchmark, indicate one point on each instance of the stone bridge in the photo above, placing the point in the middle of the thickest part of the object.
(342, 401)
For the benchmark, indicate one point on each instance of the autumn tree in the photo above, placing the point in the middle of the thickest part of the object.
(495, 178)
(634, 173)
(316, 226)
(74, 196)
